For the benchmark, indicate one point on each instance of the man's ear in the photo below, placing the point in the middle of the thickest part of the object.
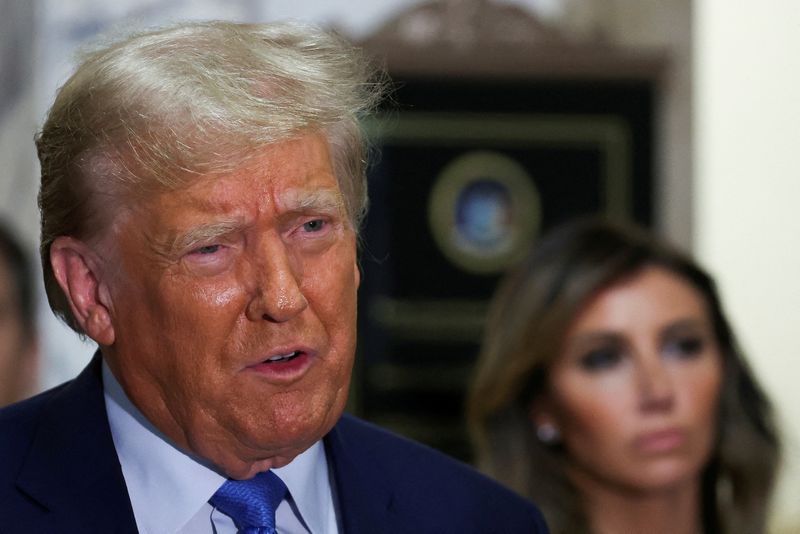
(78, 270)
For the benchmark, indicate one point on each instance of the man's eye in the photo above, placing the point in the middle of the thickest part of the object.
(599, 359)
(208, 249)
(314, 226)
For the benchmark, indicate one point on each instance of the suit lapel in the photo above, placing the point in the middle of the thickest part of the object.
(72, 468)
(73, 472)
(364, 500)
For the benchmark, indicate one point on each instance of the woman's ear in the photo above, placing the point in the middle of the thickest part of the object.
(79, 272)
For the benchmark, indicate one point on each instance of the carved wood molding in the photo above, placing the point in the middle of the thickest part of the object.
(487, 38)
(464, 25)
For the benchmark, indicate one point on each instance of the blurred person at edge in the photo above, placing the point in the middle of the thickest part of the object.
(18, 340)
(202, 188)
(610, 390)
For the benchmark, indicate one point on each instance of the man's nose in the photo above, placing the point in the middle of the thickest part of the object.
(277, 296)
(657, 390)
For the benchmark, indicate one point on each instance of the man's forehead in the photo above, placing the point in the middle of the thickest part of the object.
(224, 198)
(292, 176)
(293, 170)
(187, 218)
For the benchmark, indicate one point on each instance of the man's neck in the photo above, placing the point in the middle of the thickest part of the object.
(162, 477)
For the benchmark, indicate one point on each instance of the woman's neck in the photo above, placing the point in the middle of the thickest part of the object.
(612, 510)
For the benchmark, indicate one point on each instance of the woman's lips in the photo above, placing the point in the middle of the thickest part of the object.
(661, 441)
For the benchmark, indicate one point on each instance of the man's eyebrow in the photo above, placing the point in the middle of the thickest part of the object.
(317, 199)
(205, 233)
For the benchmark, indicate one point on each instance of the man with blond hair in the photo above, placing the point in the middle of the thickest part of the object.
(202, 189)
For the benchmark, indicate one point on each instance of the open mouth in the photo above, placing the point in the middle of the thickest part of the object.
(283, 357)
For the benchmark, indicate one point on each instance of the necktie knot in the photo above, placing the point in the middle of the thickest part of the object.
(251, 503)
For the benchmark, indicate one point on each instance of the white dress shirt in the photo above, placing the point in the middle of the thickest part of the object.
(169, 489)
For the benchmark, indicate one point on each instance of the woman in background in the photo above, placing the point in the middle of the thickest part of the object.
(19, 353)
(610, 390)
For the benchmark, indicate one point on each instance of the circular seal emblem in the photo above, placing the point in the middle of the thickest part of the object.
(484, 211)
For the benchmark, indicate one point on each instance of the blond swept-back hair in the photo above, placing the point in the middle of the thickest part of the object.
(157, 108)
(530, 315)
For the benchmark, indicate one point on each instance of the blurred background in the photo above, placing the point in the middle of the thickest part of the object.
(508, 117)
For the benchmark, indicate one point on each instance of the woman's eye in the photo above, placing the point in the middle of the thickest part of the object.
(686, 347)
(599, 359)
(314, 226)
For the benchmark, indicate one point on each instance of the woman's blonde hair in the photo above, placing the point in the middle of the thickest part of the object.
(528, 320)
(158, 108)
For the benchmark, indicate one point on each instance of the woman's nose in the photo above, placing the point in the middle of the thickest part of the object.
(656, 386)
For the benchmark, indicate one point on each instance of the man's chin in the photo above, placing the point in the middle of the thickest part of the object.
(238, 462)
(245, 470)
(244, 447)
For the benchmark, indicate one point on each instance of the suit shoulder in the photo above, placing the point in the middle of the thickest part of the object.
(395, 451)
(426, 479)
(18, 424)
(21, 415)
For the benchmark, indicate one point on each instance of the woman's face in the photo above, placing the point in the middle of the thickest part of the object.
(634, 392)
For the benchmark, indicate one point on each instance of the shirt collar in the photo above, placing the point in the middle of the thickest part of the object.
(309, 484)
(167, 487)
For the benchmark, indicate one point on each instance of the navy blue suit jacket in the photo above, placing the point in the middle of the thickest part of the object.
(59, 473)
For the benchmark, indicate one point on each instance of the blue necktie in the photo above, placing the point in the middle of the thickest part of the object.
(251, 503)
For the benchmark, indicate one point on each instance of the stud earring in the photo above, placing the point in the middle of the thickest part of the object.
(548, 434)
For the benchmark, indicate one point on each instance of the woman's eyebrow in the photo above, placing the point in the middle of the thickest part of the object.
(688, 325)
(592, 337)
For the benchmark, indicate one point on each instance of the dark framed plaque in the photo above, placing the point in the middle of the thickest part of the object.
(475, 160)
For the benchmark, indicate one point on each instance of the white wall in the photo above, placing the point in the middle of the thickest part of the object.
(747, 176)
